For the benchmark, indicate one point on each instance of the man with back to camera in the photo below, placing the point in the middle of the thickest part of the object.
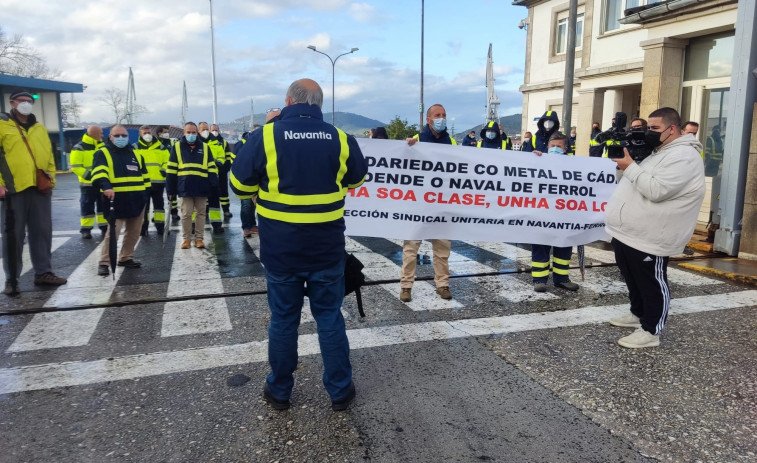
(435, 131)
(651, 216)
(300, 204)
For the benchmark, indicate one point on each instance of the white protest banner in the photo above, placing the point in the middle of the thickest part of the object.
(430, 191)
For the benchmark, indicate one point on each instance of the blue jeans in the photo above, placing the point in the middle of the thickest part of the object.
(325, 289)
(247, 212)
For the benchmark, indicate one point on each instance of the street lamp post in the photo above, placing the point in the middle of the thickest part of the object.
(333, 66)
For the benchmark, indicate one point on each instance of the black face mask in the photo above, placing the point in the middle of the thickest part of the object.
(653, 138)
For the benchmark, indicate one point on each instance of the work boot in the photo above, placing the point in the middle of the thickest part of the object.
(218, 229)
(342, 405)
(103, 270)
(227, 214)
(569, 285)
(86, 234)
(160, 228)
(199, 244)
(540, 287)
(131, 263)
(186, 244)
(405, 295)
(49, 279)
(274, 402)
(11, 289)
(444, 292)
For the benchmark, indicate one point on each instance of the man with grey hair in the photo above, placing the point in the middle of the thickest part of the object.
(300, 168)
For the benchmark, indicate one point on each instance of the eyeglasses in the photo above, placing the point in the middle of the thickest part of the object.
(272, 110)
(120, 135)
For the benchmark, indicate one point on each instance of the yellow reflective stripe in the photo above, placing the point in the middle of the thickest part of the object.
(194, 165)
(541, 273)
(557, 260)
(301, 217)
(192, 172)
(560, 271)
(490, 125)
(270, 155)
(128, 188)
(304, 200)
(540, 264)
(241, 186)
(344, 153)
(355, 185)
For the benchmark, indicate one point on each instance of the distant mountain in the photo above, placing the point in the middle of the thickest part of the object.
(353, 124)
(510, 124)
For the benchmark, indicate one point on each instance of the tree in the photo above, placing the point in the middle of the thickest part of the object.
(398, 129)
(115, 100)
(17, 58)
(70, 112)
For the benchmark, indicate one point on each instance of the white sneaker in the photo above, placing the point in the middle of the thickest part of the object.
(628, 320)
(639, 339)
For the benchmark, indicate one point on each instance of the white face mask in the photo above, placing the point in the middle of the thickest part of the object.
(549, 124)
(215, 133)
(24, 108)
(147, 137)
(205, 133)
(164, 135)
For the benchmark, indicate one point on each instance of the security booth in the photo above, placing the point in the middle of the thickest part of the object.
(47, 107)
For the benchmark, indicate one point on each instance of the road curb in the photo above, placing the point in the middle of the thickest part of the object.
(741, 277)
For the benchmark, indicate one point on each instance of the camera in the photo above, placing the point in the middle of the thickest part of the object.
(617, 138)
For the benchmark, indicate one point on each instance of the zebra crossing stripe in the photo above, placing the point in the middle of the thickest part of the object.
(424, 292)
(193, 273)
(26, 259)
(47, 376)
(68, 329)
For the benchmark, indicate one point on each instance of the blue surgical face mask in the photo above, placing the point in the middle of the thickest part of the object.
(555, 150)
(491, 135)
(120, 142)
(440, 124)
(191, 137)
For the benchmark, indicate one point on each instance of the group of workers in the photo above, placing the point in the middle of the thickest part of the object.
(296, 170)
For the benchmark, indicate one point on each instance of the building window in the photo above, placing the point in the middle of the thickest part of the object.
(614, 11)
(709, 56)
(561, 34)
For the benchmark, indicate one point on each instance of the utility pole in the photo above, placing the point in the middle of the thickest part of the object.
(420, 107)
(252, 115)
(570, 59)
(213, 65)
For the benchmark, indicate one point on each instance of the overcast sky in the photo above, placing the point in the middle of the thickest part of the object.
(261, 48)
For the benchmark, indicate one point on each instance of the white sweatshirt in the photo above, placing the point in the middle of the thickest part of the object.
(654, 208)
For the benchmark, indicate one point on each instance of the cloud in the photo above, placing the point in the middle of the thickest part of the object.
(363, 12)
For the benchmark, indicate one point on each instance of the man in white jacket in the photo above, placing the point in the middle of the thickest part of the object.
(651, 216)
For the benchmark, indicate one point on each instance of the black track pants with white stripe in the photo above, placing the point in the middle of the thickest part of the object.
(647, 280)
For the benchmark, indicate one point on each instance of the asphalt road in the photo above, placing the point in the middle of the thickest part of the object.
(166, 363)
